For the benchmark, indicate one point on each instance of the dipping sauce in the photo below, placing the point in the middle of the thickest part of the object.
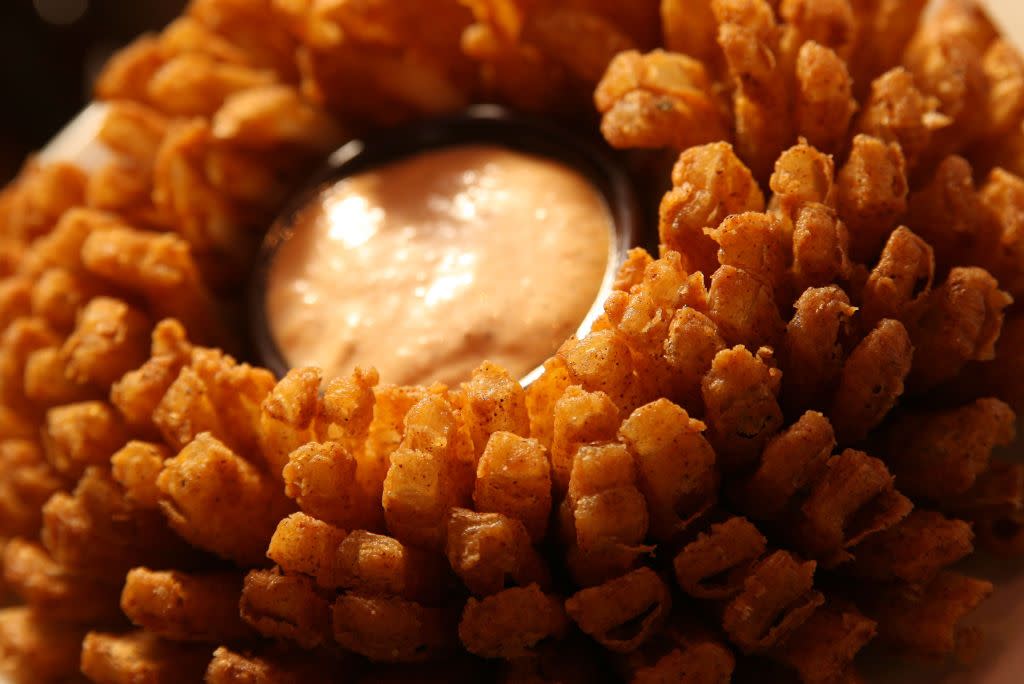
(427, 266)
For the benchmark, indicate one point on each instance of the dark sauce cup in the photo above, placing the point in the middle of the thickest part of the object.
(480, 124)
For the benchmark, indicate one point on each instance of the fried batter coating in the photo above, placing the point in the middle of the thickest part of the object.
(744, 309)
(690, 347)
(162, 268)
(138, 393)
(813, 353)
(682, 653)
(96, 532)
(945, 57)
(630, 273)
(27, 480)
(205, 217)
(274, 117)
(605, 514)
(872, 194)
(803, 175)
(214, 394)
(915, 549)
(430, 472)
(742, 409)
(321, 478)
(901, 282)
(580, 417)
(938, 455)
(286, 416)
(141, 657)
(995, 506)
(675, 466)
(283, 606)
(950, 215)
(513, 477)
(791, 462)
(194, 84)
(1004, 73)
(689, 26)
(493, 401)
(62, 246)
(926, 621)
(490, 552)
(136, 467)
(823, 648)
(871, 381)
(391, 630)
(897, 111)
(961, 322)
(373, 564)
(54, 591)
(45, 192)
(884, 29)
(527, 54)
(511, 623)
(185, 607)
(602, 362)
(59, 295)
(110, 339)
(16, 294)
(47, 383)
(755, 243)
(1003, 195)
(17, 342)
(658, 99)
(749, 38)
(251, 26)
(303, 544)
(853, 499)
(642, 319)
(220, 502)
(824, 95)
(387, 428)
(16, 425)
(715, 565)
(541, 396)
(830, 23)
(624, 612)
(274, 665)
(35, 649)
(77, 436)
(709, 183)
(347, 406)
(777, 597)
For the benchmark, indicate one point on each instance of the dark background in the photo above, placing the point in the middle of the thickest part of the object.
(50, 53)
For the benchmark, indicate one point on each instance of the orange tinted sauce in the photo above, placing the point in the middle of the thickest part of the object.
(430, 265)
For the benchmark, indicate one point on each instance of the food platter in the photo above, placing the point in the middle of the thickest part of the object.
(772, 445)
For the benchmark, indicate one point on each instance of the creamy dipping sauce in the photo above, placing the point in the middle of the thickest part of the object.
(428, 266)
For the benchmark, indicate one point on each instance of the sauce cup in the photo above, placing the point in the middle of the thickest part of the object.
(481, 124)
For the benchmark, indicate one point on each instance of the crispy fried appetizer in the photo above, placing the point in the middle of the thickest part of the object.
(220, 502)
(740, 395)
(426, 529)
(622, 613)
(511, 623)
(36, 649)
(185, 607)
(390, 629)
(286, 606)
(675, 464)
(658, 99)
(141, 657)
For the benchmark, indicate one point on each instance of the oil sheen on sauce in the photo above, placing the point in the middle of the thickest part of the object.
(425, 267)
